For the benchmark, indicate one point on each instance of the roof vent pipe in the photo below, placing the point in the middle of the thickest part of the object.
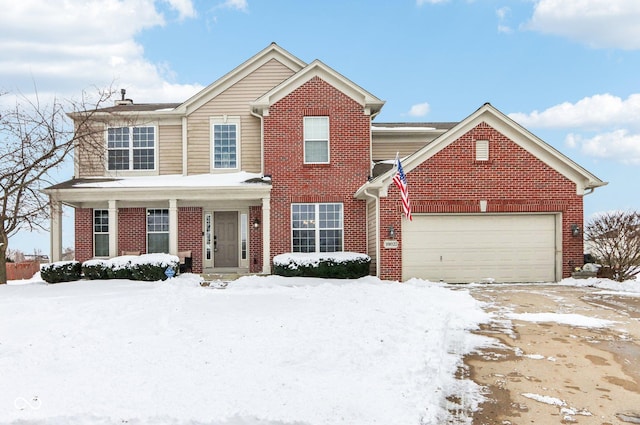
(124, 101)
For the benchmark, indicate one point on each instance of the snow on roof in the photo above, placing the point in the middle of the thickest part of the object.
(175, 180)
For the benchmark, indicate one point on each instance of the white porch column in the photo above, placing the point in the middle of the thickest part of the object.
(56, 229)
(113, 228)
(173, 226)
(266, 235)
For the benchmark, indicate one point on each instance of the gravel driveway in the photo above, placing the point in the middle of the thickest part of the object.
(563, 355)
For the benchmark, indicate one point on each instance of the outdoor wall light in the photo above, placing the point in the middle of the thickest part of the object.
(256, 223)
(575, 230)
(392, 232)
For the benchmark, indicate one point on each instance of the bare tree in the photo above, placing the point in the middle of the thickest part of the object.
(35, 140)
(614, 238)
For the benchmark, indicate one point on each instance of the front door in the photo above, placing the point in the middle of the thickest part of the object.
(225, 239)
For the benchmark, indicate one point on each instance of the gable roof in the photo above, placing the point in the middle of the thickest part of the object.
(488, 114)
(271, 52)
(318, 69)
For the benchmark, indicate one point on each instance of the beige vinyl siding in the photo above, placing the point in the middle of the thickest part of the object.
(90, 155)
(386, 146)
(233, 102)
(371, 236)
(170, 149)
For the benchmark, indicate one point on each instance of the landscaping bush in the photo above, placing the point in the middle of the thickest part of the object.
(337, 265)
(62, 271)
(96, 269)
(152, 271)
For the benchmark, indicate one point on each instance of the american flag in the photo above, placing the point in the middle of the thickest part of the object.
(401, 181)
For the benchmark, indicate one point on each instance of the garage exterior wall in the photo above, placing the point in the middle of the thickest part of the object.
(511, 181)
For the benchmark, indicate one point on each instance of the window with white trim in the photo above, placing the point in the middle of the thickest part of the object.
(316, 140)
(482, 150)
(225, 145)
(131, 148)
(157, 230)
(317, 227)
(100, 233)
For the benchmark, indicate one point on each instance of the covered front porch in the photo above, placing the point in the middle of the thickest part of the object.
(223, 219)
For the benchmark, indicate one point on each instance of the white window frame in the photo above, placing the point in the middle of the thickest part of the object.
(104, 215)
(316, 226)
(130, 149)
(482, 150)
(311, 138)
(168, 229)
(225, 120)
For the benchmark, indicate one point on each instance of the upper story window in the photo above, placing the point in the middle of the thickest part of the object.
(316, 140)
(131, 148)
(225, 145)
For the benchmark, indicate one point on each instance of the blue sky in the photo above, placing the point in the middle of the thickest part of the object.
(568, 70)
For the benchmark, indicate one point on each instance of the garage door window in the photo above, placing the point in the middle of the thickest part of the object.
(316, 227)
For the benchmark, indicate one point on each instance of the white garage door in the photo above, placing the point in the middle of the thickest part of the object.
(472, 248)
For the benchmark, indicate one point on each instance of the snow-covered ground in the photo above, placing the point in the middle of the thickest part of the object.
(263, 351)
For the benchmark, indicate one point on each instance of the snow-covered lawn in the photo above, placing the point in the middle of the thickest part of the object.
(263, 351)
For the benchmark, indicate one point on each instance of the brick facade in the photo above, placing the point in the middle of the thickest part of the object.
(132, 230)
(255, 240)
(190, 235)
(296, 182)
(84, 234)
(513, 180)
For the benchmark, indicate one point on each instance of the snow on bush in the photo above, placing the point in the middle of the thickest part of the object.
(342, 265)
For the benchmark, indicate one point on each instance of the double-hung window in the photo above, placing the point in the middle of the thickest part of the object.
(317, 227)
(131, 148)
(157, 230)
(316, 140)
(101, 233)
(225, 145)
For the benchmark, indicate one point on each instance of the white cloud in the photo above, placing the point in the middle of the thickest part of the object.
(184, 7)
(592, 112)
(421, 2)
(618, 145)
(420, 110)
(241, 5)
(597, 23)
(611, 121)
(502, 14)
(65, 47)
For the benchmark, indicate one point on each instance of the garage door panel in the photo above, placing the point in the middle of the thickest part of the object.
(468, 248)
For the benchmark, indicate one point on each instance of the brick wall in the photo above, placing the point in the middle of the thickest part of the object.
(255, 240)
(132, 230)
(84, 234)
(512, 180)
(190, 234)
(294, 181)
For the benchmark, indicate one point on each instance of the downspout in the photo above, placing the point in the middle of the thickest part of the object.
(374, 197)
(377, 203)
(261, 118)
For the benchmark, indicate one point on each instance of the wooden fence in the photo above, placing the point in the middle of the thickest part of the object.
(23, 270)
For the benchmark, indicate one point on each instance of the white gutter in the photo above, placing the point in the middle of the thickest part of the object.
(374, 197)
(184, 147)
(377, 201)
(261, 118)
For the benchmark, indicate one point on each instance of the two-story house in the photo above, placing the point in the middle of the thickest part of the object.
(283, 156)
